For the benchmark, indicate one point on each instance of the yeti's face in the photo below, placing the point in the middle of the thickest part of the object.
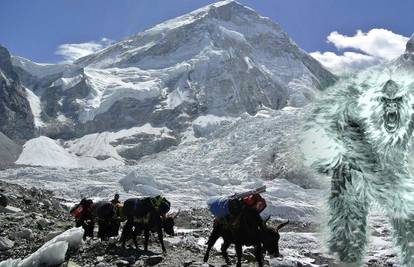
(393, 102)
(388, 112)
(391, 113)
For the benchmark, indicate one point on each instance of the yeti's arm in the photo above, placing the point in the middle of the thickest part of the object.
(343, 130)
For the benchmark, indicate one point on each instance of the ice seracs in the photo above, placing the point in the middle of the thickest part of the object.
(39, 70)
(127, 144)
(44, 151)
(98, 149)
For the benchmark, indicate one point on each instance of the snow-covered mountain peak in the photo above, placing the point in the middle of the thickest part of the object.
(191, 34)
(222, 60)
(410, 45)
(404, 63)
(224, 10)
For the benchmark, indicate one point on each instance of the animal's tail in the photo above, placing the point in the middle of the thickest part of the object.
(280, 226)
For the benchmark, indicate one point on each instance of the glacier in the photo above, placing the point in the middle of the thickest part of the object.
(221, 163)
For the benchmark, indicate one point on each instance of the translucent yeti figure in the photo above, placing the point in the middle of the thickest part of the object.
(368, 122)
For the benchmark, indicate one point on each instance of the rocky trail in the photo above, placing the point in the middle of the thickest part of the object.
(37, 216)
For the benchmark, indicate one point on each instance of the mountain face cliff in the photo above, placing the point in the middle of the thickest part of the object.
(402, 65)
(223, 59)
(410, 45)
(152, 90)
(16, 119)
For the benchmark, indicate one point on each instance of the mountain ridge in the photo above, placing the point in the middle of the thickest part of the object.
(222, 60)
(16, 120)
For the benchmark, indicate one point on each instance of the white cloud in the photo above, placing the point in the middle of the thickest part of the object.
(348, 62)
(375, 46)
(71, 52)
(380, 43)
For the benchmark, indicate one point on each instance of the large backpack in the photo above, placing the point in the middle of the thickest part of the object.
(253, 200)
(219, 207)
(76, 211)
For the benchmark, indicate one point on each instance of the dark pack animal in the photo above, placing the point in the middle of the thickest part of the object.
(88, 213)
(3, 201)
(142, 214)
(247, 228)
(105, 214)
(84, 217)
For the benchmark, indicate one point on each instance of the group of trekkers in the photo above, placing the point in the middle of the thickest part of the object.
(237, 220)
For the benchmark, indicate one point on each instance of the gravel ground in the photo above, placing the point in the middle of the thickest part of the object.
(43, 217)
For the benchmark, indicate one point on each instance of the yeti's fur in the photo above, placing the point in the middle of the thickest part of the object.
(369, 164)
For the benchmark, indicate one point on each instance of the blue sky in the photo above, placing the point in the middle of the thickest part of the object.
(35, 29)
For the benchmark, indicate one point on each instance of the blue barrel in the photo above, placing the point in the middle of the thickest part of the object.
(219, 207)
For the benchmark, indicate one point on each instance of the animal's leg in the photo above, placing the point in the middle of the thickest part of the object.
(126, 231)
(400, 210)
(258, 254)
(224, 248)
(161, 239)
(239, 253)
(348, 216)
(146, 235)
(101, 229)
(135, 234)
(404, 236)
(215, 234)
(80, 223)
(89, 226)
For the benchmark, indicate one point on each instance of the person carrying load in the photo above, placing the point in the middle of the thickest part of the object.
(116, 200)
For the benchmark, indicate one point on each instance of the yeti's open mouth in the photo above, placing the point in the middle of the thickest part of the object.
(392, 119)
